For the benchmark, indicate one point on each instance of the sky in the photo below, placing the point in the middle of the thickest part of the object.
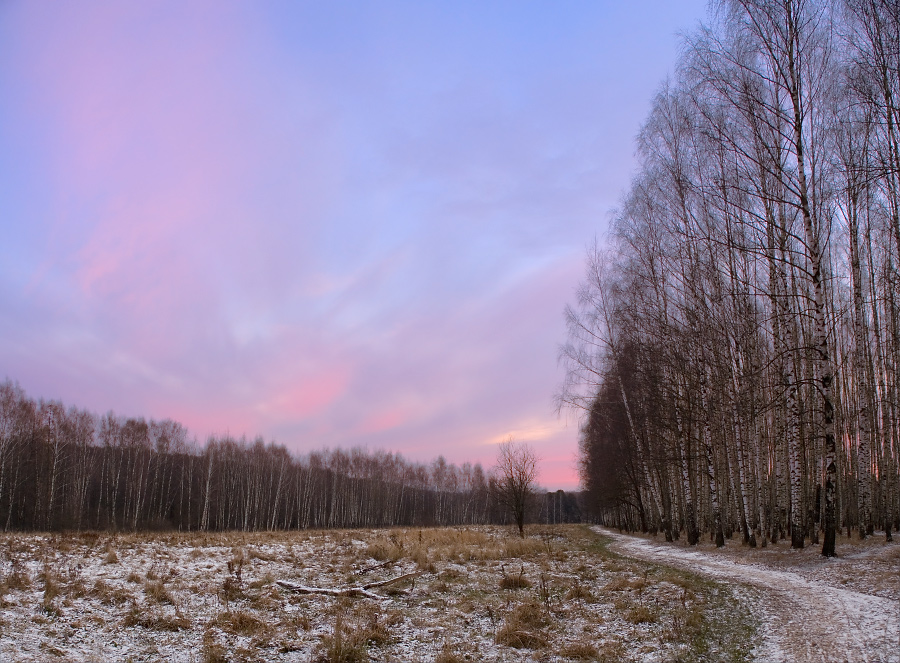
(330, 224)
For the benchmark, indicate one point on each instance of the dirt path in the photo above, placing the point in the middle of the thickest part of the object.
(801, 620)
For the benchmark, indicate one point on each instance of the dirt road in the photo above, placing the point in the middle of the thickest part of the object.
(801, 619)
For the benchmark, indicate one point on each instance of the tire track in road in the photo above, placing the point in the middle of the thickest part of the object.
(801, 620)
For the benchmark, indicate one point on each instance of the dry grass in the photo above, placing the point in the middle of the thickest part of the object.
(581, 650)
(111, 556)
(156, 620)
(382, 550)
(110, 595)
(156, 591)
(521, 639)
(212, 651)
(624, 583)
(344, 644)
(686, 624)
(612, 652)
(524, 626)
(579, 591)
(514, 580)
(241, 622)
(17, 579)
(641, 614)
(448, 654)
(52, 590)
(484, 595)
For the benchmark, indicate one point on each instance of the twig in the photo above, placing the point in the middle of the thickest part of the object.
(368, 569)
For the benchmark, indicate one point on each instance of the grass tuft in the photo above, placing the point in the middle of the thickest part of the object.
(523, 627)
(111, 556)
(240, 622)
(156, 591)
(343, 645)
(641, 614)
(578, 591)
(156, 621)
(515, 581)
(580, 651)
(211, 651)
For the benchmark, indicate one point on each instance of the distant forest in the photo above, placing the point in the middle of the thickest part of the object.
(737, 349)
(70, 469)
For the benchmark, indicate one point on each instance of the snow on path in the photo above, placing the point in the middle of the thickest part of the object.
(801, 620)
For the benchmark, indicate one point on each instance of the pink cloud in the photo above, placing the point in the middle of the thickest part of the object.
(382, 421)
(308, 396)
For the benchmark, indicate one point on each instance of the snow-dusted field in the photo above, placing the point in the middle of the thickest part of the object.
(483, 595)
(810, 608)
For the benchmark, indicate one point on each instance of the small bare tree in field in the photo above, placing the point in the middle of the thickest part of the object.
(513, 479)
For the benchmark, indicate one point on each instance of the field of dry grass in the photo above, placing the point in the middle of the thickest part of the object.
(483, 595)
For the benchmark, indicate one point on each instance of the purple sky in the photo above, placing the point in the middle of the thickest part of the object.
(326, 223)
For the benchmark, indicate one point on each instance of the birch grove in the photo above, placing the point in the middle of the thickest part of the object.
(65, 468)
(736, 342)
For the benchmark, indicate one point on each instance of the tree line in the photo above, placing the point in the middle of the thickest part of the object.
(69, 469)
(735, 348)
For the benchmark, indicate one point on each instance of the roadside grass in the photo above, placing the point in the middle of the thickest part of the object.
(483, 594)
(708, 618)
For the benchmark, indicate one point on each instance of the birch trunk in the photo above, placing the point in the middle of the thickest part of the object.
(715, 508)
(863, 368)
(814, 255)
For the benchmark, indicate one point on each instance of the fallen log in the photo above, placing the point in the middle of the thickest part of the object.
(359, 590)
